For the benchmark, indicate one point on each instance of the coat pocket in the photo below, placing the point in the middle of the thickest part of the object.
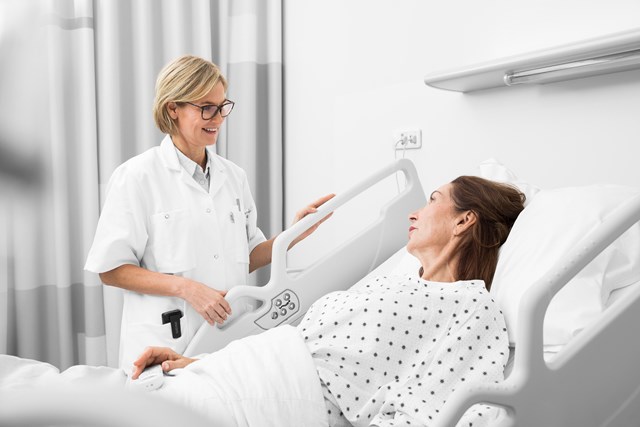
(172, 244)
(143, 325)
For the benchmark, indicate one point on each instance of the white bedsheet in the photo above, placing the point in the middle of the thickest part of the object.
(263, 380)
(20, 373)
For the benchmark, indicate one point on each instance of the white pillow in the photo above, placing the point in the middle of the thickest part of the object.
(553, 223)
(494, 170)
(407, 264)
(546, 229)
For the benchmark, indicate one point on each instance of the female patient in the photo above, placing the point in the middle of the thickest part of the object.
(391, 351)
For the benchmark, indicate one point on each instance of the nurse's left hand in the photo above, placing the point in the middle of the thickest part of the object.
(155, 355)
(311, 208)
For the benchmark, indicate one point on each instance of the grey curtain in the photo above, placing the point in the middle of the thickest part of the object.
(91, 66)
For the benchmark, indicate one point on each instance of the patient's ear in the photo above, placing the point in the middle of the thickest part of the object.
(464, 221)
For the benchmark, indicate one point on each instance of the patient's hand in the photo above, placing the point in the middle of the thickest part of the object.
(155, 355)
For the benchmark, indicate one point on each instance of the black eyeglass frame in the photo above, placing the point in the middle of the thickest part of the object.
(217, 110)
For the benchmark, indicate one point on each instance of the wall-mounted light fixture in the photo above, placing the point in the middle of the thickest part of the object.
(602, 55)
(576, 69)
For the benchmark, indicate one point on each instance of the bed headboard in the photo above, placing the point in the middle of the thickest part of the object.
(286, 297)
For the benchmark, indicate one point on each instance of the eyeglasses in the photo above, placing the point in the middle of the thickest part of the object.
(209, 111)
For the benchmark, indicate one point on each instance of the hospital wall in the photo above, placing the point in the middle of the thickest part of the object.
(354, 74)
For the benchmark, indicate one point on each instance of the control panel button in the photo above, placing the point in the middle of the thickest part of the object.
(283, 307)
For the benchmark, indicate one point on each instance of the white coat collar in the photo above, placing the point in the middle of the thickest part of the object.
(168, 154)
(216, 164)
(218, 171)
(170, 157)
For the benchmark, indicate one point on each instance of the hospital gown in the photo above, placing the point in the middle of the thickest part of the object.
(391, 351)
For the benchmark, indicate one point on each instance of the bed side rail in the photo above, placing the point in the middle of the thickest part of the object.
(594, 380)
(285, 298)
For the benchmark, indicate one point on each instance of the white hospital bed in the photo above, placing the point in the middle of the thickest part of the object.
(592, 381)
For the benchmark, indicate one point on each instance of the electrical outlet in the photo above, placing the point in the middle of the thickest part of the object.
(408, 139)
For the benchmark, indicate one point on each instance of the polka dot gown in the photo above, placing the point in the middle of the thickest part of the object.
(389, 352)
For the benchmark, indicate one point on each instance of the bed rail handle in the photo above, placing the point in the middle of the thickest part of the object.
(258, 293)
(282, 242)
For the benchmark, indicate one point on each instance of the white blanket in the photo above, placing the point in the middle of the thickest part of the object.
(263, 380)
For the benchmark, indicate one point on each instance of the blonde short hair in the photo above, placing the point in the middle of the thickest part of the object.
(185, 79)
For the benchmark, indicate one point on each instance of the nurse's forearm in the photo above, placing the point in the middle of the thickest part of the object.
(138, 279)
(261, 255)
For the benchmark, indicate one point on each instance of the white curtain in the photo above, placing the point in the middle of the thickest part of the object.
(89, 75)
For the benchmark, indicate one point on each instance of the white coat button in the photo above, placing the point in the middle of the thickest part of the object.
(215, 256)
(166, 216)
(202, 182)
(208, 210)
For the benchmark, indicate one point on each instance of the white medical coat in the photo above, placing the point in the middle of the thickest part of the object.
(157, 217)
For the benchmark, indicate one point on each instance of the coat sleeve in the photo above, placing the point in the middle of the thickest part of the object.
(121, 235)
(474, 350)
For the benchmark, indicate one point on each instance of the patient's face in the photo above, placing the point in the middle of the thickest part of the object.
(432, 226)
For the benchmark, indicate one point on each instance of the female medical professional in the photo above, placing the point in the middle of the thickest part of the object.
(178, 226)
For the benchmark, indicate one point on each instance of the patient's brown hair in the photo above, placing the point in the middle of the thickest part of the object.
(496, 207)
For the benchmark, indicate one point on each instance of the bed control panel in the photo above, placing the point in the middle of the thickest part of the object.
(283, 306)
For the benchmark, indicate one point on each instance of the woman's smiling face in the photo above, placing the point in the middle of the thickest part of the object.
(192, 130)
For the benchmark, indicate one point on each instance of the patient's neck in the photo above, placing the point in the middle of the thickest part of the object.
(438, 267)
(441, 275)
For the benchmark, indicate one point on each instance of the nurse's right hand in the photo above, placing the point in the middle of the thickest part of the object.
(209, 302)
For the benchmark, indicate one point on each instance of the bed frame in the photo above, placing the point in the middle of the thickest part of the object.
(593, 381)
(287, 296)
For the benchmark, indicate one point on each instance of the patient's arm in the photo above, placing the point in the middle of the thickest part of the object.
(159, 355)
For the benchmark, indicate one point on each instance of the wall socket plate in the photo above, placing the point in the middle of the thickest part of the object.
(407, 139)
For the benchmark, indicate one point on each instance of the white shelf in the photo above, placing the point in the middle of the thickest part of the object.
(494, 73)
